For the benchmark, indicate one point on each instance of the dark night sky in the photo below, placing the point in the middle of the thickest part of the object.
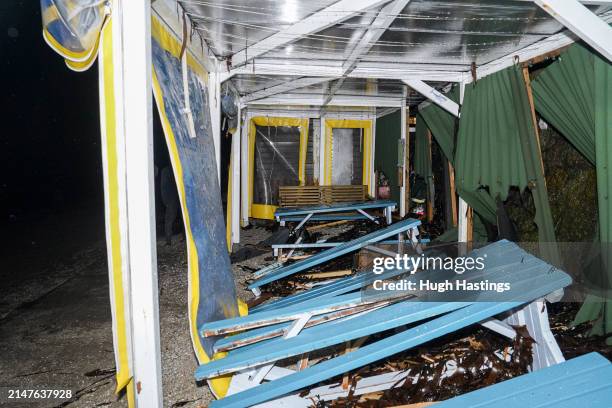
(50, 141)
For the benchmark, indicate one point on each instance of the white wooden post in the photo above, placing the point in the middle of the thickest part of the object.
(316, 146)
(214, 95)
(404, 130)
(322, 152)
(235, 175)
(137, 123)
(462, 221)
(372, 175)
(244, 170)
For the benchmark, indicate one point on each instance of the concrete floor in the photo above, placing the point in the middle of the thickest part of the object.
(55, 322)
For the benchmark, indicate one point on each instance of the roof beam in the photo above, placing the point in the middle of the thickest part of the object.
(336, 13)
(537, 49)
(338, 100)
(381, 23)
(284, 87)
(582, 22)
(364, 69)
(433, 95)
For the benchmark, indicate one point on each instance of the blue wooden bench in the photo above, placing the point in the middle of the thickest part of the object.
(268, 275)
(584, 381)
(334, 212)
(531, 278)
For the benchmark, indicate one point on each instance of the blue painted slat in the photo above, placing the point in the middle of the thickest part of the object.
(383, 348)
(335, 288)
(335, 252)
(329, 244)
(334, 208)
(326, 335)
(314, 306)
(522, 280)
(503, 252)
(339, 217)
(585, 381)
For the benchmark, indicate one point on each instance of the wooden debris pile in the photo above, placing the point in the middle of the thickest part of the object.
(442, 369)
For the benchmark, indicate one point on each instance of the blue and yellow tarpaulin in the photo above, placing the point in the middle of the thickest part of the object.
(82, 30)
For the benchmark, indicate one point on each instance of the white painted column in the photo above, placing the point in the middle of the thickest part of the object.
(137, 122)
(214, 95)
(244, 171)
(316, 146)
(235, 174)
(372, 156)
(322, 151)
(462, 222)
(404, 134)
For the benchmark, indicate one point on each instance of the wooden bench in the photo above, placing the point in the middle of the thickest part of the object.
(303, 323)
(298, 196)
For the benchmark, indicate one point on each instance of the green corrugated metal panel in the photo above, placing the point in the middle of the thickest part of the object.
(497, 148)
(442, 124)
(488, 151)
(422, 152)
(532, 158)
(603, 145)
(388, 132)
(574, 94)
(564, 95)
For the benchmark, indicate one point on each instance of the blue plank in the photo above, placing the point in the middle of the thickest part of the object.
(339, 217)
(326, 335)
(280, 212)
(335, 288)
(314, 306)
(335, 252)
(522, 280)
(384, 348)
(580, 382)
(331, 244)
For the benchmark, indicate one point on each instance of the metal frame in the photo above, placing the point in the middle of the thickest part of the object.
(327, 17)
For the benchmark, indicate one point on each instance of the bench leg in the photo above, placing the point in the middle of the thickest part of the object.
(534, 316)
(389, 215)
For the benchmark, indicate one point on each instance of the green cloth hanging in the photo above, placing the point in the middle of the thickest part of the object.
(574, 94)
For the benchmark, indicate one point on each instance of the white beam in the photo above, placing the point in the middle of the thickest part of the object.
(462, 222)
(383, 21)
(433, 95)
(284, 87)
(235, 175)
(244, 174)
(338, 100)
(336, 13)
(137, 123)
(582, 22)
(542, 47)
(364, 69)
